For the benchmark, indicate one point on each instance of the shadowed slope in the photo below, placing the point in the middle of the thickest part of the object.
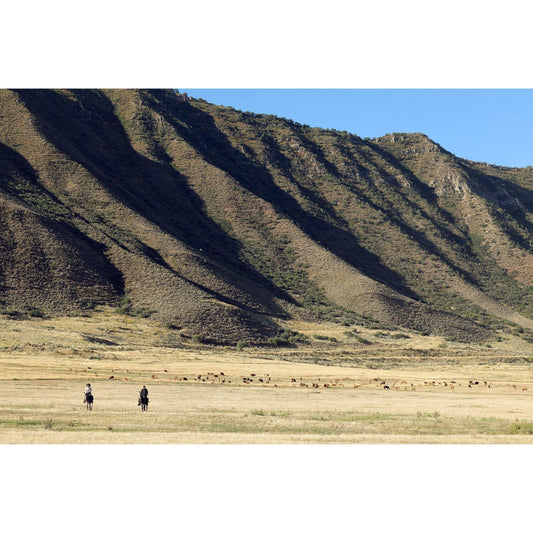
(216, 222)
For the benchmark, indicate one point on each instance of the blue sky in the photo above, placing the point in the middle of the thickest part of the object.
(485, 125)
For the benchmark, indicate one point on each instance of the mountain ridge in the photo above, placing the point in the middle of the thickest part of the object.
(218, 222)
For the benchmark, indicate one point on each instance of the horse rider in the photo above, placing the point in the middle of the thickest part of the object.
(88, 390)
(143, 393)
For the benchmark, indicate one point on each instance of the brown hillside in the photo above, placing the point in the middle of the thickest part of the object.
(217, 222)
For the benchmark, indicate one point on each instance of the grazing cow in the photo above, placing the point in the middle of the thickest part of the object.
(111, 377)
(386, 387)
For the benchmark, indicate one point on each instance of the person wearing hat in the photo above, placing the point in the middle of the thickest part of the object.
(88, 390)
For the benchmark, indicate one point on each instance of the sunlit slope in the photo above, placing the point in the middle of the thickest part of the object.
(217, 223)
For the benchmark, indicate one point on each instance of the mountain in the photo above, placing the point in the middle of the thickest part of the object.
(217, 222)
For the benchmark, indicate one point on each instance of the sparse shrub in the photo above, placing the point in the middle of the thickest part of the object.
(12, 313)
(125, 307)
(200, 339)
(240, 346)
(521, 428)
(124, 302)
(49, 423)
(32, 312)
(361, 340)
(315, 358)
(325, 338)
(528, 338)
(287, 336)
(143, 313)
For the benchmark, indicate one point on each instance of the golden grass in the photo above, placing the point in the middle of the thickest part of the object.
(198, 394)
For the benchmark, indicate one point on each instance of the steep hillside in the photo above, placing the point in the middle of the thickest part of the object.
(216, 222)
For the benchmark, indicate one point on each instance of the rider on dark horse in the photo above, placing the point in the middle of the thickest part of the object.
(143, 396)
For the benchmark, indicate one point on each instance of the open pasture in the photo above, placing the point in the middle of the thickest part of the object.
(201, 394)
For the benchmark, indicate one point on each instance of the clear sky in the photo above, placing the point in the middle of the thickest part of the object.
(485, 125)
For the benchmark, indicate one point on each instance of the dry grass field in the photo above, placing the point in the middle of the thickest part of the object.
(400, 388)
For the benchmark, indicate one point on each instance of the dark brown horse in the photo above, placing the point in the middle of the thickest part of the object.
(143, 402)
(89, 398)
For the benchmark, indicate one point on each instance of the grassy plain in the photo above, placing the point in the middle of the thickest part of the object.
(323, 391)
